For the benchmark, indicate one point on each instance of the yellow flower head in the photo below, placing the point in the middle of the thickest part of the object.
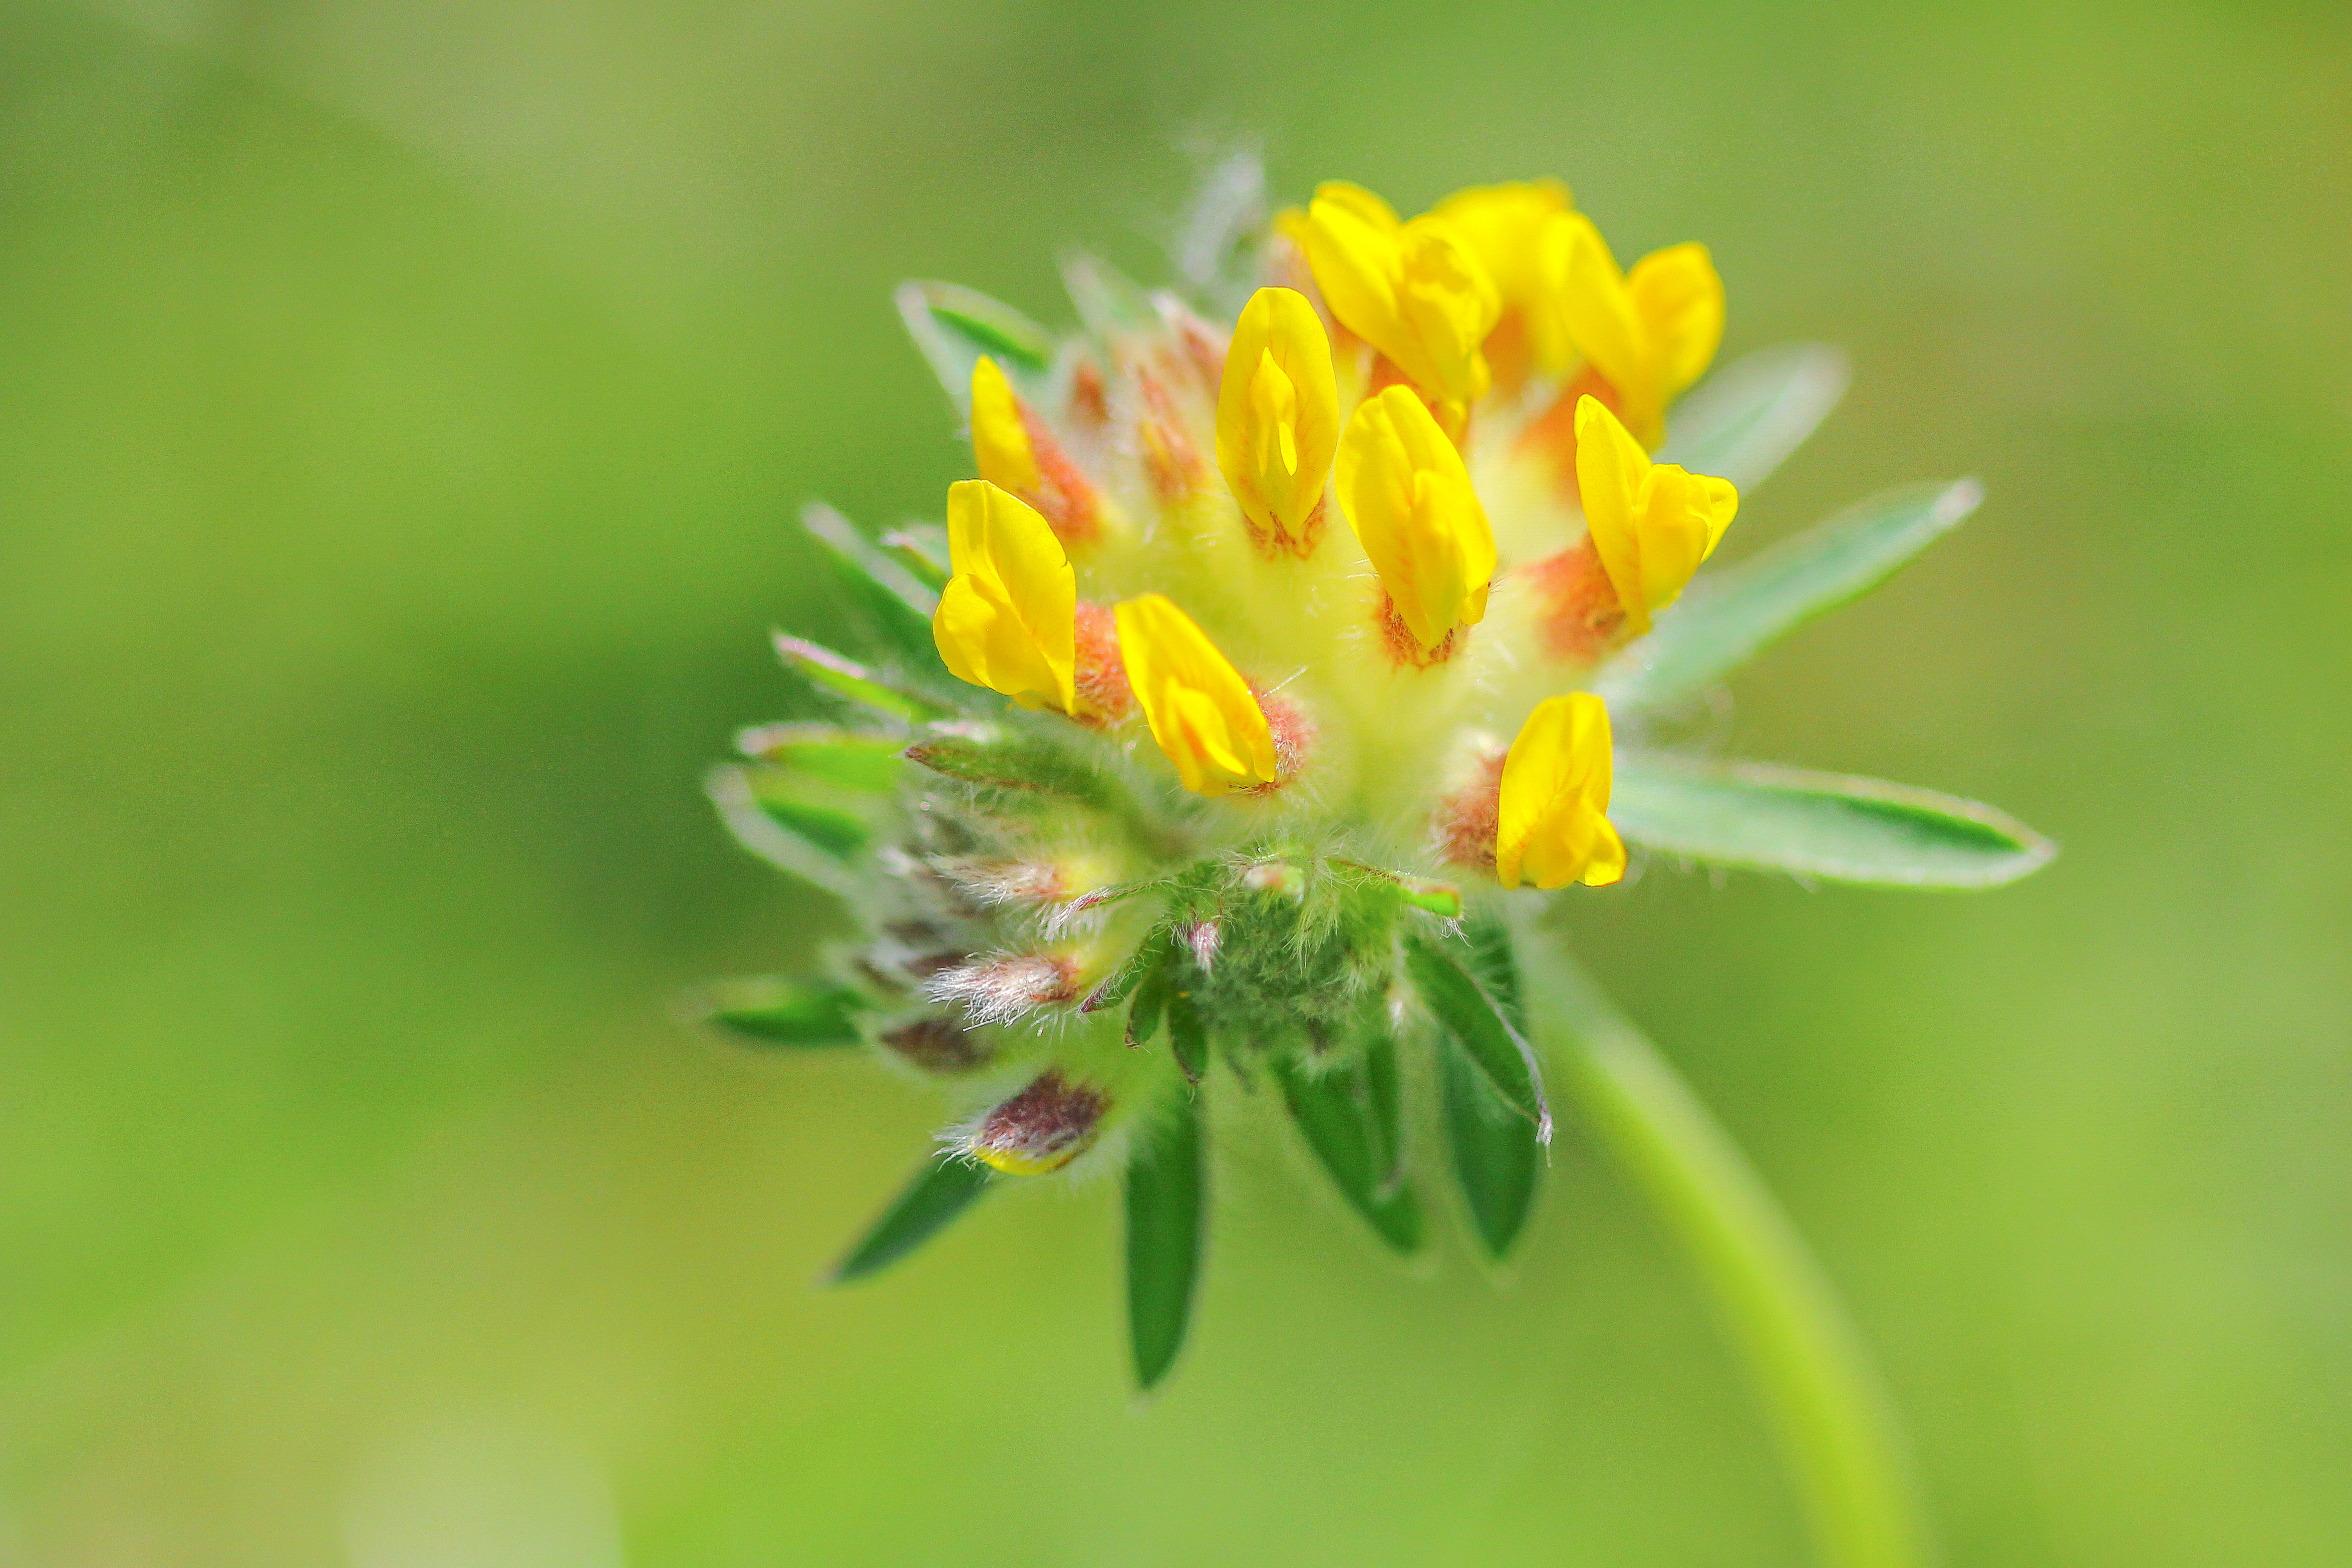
(1521, 234)
(1200, 711)
(1007, 619)
(1552, 823)
(1652, 523)
(1650, 334)
(1000, 442)
(1408, 496)
(1413, 291)
(1278, 416)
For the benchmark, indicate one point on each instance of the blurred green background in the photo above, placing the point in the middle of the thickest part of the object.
(402, 410)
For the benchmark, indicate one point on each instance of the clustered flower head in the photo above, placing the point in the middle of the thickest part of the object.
(1273, 645)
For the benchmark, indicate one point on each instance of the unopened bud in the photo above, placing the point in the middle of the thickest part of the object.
(1043, 1128)
(1001, 989)
(937, 1045)
(1204, 939)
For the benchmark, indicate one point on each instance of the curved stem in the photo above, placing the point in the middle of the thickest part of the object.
(1836, 1429)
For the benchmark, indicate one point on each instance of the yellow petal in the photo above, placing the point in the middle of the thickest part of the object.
(1652, 524)
(1521, 235)
(1412, 291)
(1278, 413)
(1000, 442)
(1679, 299)
(1199, 710)
(1552, 823)
(1408, 497)
(1007, 619)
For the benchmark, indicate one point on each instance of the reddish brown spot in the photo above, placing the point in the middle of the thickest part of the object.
(1064, 496)
(1294, 737)
(1578, 617)
(1173, 461)
(938, 1045)
(1274, 543)
(1552, 435)
(1043, 1128)
(1205, 350)
(1405, 648)
(1089, 396)
(1466, 820)
(1103, 693)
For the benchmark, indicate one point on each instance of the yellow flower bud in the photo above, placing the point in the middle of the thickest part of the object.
(1408, 496)
(1279, 417)
(1650, 334)
(1521, 235)
(1000, 442)
(1200, 712)
(1652, 523)
(1412, 290)
(1551, 826)
(1007, 618)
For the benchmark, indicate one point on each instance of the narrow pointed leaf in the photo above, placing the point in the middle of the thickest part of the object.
(1496, 1048)
(1151, 1002)
(1188, 1036)
(1007, 761)
(1496, 1160)
(876, 690)
(1133, 972)
(865, 762)
(1823, 825)
(1341, 1119)
(942, 1189)
(922, 549)
(739, 807)
(800, 1013)
(1724, 621)
(1744, 419)
(954, 327)
(1166, 1236)
(895, 605)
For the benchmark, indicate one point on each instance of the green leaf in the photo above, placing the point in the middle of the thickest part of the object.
(733, 792)
(1748, 416)
(1489, 1041)
(1131, 973)
(1167, 1234)
(1151, 1002)
(852, 682)
(1008, 761)
(922, 549)
(839, 833)
(1349, 1119)
(1496, 1160)
(897, 606)
(1188, 1036)
(1820, 825)
(1724, 621)
(803, 1013)
(954, 327)
(942, 1189)
(864, 762)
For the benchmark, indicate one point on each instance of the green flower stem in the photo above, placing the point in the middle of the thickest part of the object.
(1834, 1426)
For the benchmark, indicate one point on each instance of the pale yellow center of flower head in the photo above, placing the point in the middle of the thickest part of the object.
(1199, 710)
(1652, 523)
(1278, 413)
(1408, 496)
(1521, 234)
(1000, 442)
(1552, 824)
(1651, 333)
(1007, 619)
(1412, 290)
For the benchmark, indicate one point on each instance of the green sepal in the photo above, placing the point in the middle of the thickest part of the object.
(954, 327)
(1724, 621)
(1017, 762)
(1748, 416)
(868, 763)
(943, 1188)
(1496, 1160)
(808, 1014)
(1498, 1050)
(922, 549)
(897, 606)
(1349, 1117)
(1166, 1236)
(1150, 1003)
(1148, 956)
(1823, 825)
(842, 835)
(852, 681)
(1187, 1033)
